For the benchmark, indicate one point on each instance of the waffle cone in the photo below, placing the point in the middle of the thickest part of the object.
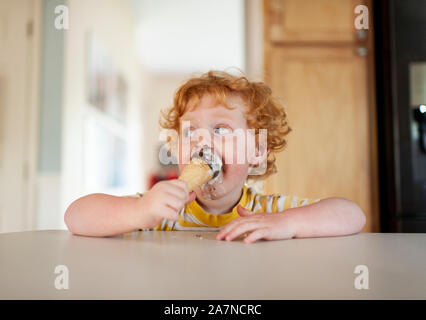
(196, 173)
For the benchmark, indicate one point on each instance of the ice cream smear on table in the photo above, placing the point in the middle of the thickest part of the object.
(204, 168)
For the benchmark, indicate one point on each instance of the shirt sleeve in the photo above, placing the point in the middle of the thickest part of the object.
(136, 195)
(280, 202)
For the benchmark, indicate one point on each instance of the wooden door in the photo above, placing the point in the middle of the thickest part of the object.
(321, 68)
(324, 91)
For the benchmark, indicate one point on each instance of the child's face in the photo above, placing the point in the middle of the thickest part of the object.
(217, 124)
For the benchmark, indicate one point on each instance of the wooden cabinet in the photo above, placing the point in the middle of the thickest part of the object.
(324, 93)
(326, 90)
(311, 20)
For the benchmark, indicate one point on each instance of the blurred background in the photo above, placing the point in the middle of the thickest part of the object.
(82, 83)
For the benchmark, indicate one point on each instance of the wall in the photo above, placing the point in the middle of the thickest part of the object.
(237, 29)
(50, 119)
(112, 23)
(190, 35)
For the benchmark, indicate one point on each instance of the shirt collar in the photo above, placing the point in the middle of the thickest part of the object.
(216, 220)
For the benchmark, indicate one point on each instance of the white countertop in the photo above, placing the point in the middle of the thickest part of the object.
(180, 265)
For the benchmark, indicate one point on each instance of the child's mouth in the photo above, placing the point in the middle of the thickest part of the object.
(218, 178)
(214, 160)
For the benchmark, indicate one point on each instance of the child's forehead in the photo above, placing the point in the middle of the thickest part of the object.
(214, 112)
(224, 104)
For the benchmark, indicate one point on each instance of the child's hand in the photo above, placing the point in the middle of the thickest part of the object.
(164, 201)
(268, 226)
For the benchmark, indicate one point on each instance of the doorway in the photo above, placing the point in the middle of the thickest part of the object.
(19, 25)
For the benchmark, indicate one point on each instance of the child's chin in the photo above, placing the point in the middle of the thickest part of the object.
(214, 191)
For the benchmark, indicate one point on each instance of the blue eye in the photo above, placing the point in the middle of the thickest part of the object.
(222, 130)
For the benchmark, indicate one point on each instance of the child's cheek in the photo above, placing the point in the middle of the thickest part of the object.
(234, 151)
(236, 172)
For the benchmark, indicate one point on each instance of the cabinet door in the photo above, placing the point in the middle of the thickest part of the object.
(324, 91)
(311, 20)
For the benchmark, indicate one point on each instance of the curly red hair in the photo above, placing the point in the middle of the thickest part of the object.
(263, 111)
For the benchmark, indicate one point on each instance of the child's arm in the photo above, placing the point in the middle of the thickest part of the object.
(326, 218)
(102, 215)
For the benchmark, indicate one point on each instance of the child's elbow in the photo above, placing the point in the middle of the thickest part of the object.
(363, 219)
(354, 217)
(358, 216)
(68, 219)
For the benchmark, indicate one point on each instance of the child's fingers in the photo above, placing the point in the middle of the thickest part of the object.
(237, 221)
(174, 201)
(256, 235)
(177, 192)
(191, 197)
(169, 213)
(229, 226)
(179, 189)
(243, 212)
(242, 228)
(180, 184)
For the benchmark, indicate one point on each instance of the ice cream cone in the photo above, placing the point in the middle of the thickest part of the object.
(196, 173)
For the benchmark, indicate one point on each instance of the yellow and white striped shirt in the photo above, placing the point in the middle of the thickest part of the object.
(193, 217)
